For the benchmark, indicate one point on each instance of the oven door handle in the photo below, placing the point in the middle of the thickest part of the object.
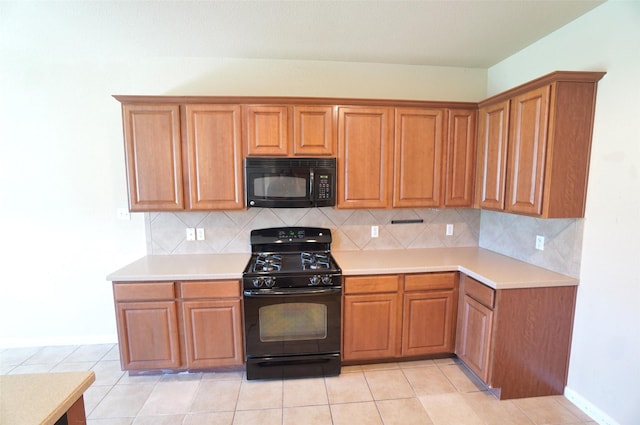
(291, 293)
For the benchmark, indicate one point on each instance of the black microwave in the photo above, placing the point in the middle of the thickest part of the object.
(290, 182)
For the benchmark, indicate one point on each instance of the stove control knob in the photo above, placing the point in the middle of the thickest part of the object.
(326, 280)
(257, 282)
(314, 280)
(269, 281)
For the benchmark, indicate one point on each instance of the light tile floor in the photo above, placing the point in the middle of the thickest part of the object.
(430, 392)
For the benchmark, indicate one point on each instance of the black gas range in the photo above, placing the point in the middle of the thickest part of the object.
(292, 289)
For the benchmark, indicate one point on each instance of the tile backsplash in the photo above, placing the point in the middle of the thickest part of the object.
(515, 236)
(508, 234)
(228, 231)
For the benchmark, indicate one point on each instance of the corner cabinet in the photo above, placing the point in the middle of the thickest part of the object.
(535, 144)
(175, 326)
(516, 340)
(399, 316)
(460, 158)
(493, 134)
(475, 326)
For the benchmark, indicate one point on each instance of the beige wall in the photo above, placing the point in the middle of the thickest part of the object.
(604, 369)
(62, 172)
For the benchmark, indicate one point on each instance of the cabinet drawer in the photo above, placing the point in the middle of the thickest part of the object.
(147, 291)
(371, 284)
(429, 281)
(210, 289)
(479, 292)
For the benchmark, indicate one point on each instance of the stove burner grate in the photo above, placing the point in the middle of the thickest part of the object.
(314, 261)
(267, 263)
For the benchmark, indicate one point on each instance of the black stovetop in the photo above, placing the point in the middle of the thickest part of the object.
(291, 253)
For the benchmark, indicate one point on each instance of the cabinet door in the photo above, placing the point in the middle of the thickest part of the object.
(214, 157)
(460, 158)
(148, 335)
(473, 343)
(213, 333)
(267, 130)
(428, 324)
(493, 132)
(314, 130)
(364, 155)
(527, 150)
(370, 326)
(153, 156)
(419, 140)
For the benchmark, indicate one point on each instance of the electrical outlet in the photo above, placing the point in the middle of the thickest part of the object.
(123, 214)
(540, 242)
(191, 234)
(449, 231)
(374, 231)
(200, 234)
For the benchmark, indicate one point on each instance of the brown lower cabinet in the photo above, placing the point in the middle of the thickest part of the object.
(399, 316)
(516, 340)
(179, 325)
(212, 322)
(475, 319)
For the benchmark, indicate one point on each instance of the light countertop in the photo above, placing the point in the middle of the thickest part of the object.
(183, 267)
(42, 398)
(492, 269)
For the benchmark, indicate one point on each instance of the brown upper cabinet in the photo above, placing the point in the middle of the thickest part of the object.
(214, 157)
(460, 158)
(314, 130)
(524, 151)
(183, 157)
(153, 156)
(365, 137)
(290, 130)
(406, 157)
(418, 148)
(493, 133)
(534, 145)
(267, 130)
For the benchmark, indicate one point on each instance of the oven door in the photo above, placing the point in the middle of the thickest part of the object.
(286, 322)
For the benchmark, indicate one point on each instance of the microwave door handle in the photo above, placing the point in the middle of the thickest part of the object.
(311, 183)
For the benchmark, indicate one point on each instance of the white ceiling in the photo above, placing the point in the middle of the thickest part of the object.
(460, 33)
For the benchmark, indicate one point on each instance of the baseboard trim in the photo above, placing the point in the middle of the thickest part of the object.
(587, 407)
